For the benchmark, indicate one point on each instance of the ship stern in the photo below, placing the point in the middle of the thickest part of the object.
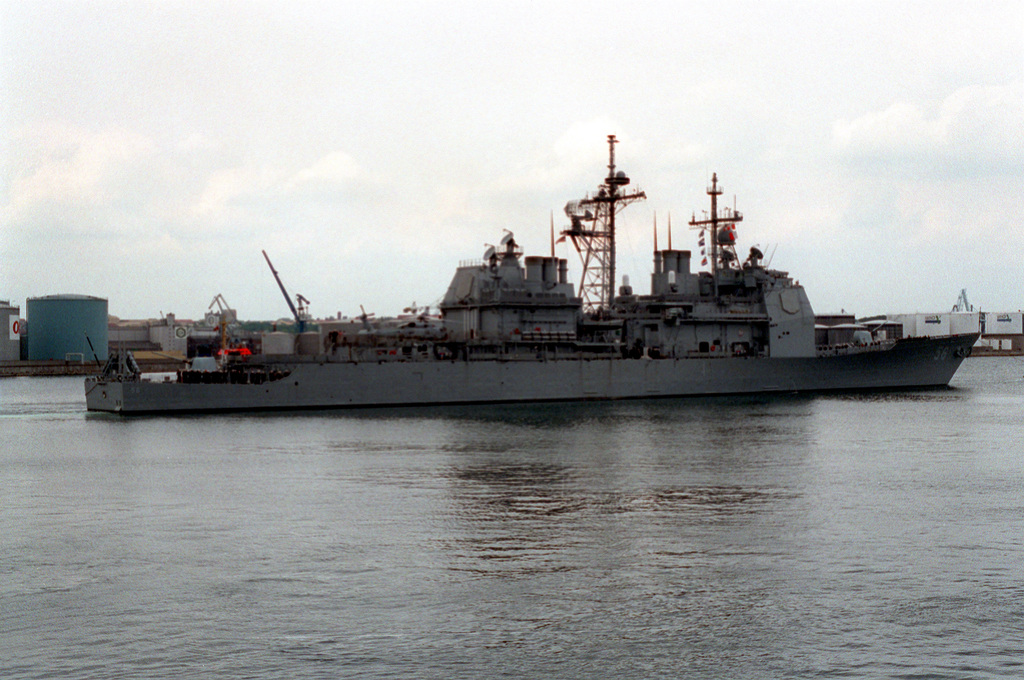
(104, 396)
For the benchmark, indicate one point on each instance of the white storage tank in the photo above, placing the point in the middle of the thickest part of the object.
(278, 342)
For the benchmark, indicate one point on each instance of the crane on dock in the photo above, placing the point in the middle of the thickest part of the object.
(300, 314)
(962, 305)
(220, 319)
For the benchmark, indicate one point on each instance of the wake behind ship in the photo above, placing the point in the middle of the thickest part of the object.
(513, 329)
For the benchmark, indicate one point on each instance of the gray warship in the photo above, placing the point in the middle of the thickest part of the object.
(514, 329)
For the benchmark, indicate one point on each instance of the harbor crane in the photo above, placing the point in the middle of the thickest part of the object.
(300, 314)
(220, 319)
(962, 305)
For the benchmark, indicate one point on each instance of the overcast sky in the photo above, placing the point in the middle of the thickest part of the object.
(150, 151)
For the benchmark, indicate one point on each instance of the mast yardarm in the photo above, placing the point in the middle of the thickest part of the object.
(723, 238)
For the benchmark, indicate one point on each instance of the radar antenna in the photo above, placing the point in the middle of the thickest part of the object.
(592, 232)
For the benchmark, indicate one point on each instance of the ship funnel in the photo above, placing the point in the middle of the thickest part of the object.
(535, 268)
(670, 260)
(550, 270)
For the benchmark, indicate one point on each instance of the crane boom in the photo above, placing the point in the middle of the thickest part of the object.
(300, 324)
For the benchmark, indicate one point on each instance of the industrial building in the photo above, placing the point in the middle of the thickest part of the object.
(173, 338)
(1001, 332)
(943, 323)
(166, 335)
(10, 341)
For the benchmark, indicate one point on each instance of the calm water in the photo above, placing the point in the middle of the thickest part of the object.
(827, 536)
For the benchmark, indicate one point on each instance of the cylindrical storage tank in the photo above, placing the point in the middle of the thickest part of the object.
(308, 343)
(534, 268)
(278, 342)
(820, 335)
(10, 340)
(844, 333)
(64, 325)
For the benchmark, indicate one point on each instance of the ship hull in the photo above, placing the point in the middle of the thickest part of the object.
(910, 363)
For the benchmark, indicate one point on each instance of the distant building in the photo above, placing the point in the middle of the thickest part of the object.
(1001, 332)
(150, 335)
(10, 340)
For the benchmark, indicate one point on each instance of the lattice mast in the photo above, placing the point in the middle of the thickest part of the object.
(723, 238)
(592, 231)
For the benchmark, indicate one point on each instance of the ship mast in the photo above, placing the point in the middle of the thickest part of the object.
(592, 232)
(729, 216)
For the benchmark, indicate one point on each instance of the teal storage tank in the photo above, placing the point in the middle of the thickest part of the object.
(63, 325)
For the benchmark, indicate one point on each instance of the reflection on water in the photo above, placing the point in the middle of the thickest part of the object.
(540, 517)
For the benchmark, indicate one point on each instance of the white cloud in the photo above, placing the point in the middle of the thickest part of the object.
(902, 126)
(337, 167)
(68, 165)
(974, 130)
(224, 189)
